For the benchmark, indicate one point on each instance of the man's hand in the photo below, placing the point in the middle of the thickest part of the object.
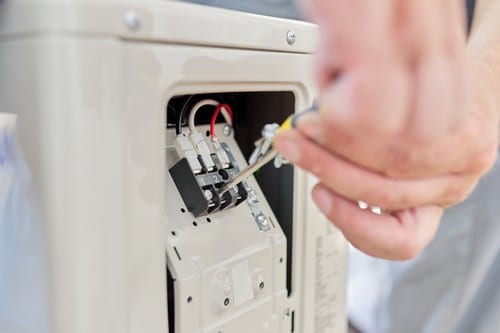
(403, 124)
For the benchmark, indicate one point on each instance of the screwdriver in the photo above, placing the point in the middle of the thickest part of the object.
(289, 123)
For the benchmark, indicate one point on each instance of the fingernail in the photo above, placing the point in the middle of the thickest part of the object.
(323, 199)
(288, 148)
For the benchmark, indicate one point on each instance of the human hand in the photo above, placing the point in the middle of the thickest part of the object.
(398, 127)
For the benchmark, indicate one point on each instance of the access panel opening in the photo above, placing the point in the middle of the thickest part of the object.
(251, 111)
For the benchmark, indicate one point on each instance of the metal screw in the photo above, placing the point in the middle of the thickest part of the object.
(208, 195)
(132, 20)
(269, 131)
(252, 198)
(226, 130)
(290, 37)
(262, 219)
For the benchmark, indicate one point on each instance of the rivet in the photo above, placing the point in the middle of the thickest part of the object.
(290, 37)
(131, 20)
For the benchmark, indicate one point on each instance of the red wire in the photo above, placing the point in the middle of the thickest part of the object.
(215, 114)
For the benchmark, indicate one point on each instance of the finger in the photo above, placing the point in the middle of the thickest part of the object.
(456, 37)
(435, 110)
(440, 76)
(352, 29)
(327, 67)
(400, 157)
(342, 18)
(361, 102)
(456, 23)
(420, 27)
(427, 34)
(399, 236)
(353, 61)
(356, 183)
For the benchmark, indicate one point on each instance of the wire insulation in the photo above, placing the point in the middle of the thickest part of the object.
(195, 110)
(226, 111)
(178, 128)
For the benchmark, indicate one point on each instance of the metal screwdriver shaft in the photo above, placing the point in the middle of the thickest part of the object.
(249, 171)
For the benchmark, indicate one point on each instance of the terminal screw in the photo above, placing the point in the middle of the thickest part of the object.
(208, 195)
(227, 130)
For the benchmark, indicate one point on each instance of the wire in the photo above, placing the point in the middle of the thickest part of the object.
(194, 110)
(226, 112)
(225, 109)
(178, 129)
(173, 114)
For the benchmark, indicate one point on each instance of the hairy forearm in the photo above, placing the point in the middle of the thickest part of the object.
(484, 52)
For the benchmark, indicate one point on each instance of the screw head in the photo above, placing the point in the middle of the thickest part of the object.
(131, 20)
(226, 301)
(262, 219)
(208, 194)
(227, 130)
(290, 37)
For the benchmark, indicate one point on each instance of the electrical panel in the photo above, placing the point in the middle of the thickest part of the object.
(227, 259)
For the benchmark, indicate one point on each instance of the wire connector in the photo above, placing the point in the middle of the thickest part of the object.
(185, 149)
(221, 154)
(201, 146)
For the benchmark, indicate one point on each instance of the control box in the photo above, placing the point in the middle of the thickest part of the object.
(244, 277)
(132, 116)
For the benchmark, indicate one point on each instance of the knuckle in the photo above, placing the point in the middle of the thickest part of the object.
(316, 166)
(385, 198)
(400, 163)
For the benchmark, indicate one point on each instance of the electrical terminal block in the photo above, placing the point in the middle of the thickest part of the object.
(221, 154)
(200, 190)
(201, 146)
(186, 150)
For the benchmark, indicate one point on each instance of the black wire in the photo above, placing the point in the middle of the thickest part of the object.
(171, 113)
(178, 129)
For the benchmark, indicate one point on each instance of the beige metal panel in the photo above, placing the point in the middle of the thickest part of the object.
(320, 251)
(158, 21)
(100, 189)
(326, 263)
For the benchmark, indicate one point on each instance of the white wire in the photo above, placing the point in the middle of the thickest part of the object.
(226, 116)
(199, 105)
(195, 109)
